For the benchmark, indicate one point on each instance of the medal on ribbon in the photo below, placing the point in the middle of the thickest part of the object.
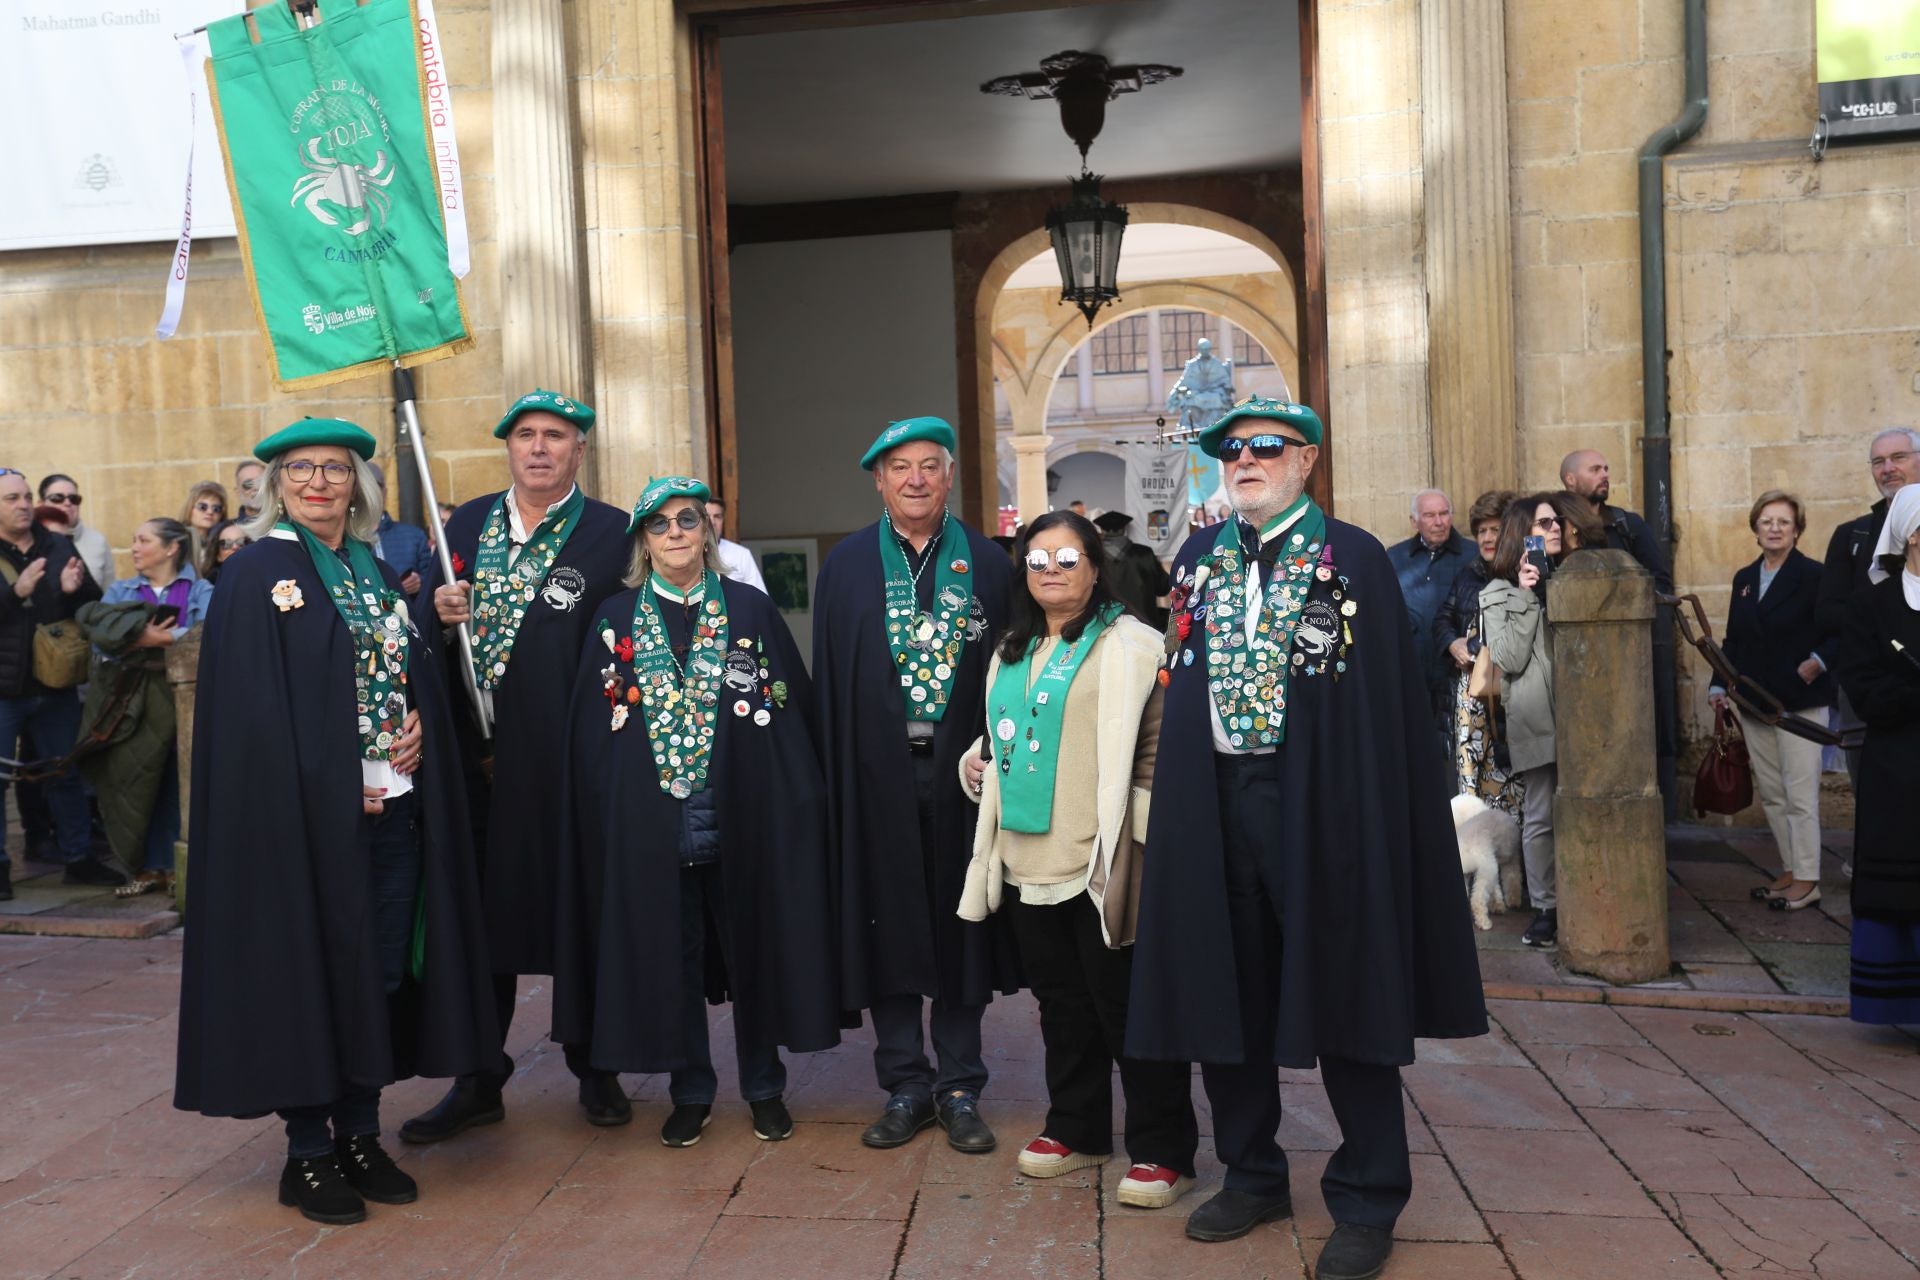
(376, 617)
(503, 593)
(926, 645)
(1248, 675)
(680, 703)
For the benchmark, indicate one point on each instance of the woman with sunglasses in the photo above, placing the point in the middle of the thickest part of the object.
(693, 869)
(226, 538)
(1513, 609)
(1073, 721)
(206, 507)
(334, 938)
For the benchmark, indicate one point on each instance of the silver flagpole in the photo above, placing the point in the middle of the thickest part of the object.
(410, 428)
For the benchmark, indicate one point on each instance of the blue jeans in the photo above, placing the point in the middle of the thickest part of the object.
(53, 720)
(703, 922)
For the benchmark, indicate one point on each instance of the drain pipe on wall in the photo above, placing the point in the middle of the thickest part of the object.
(1656, 447)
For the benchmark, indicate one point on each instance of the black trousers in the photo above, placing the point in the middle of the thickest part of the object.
(506, 998)
(1370, 1177)
(1081, 985)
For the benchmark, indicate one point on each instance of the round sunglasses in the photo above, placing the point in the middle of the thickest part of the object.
(1066, 559)
(688, 519)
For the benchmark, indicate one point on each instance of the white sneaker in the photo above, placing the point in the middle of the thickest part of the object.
(1152, 1186)
(1045, 1158)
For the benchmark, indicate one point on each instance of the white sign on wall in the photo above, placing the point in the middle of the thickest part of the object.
(96, 93)
(1157, 497)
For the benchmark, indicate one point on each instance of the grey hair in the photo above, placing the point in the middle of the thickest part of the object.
(1913, 437)
(1413, 503)
(640, 564)
(363, 510)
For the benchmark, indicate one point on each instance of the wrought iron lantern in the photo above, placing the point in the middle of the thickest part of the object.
(1086, 235)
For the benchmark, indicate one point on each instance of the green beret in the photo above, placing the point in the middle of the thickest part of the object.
(315, 431)
(906, 431)
(657, 492)
(545, 402)
(1298, 416)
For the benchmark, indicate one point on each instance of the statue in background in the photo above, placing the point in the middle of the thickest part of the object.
(1204, 392)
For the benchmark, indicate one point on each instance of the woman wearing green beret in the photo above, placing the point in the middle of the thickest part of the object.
(333, 927)
(1073, 723)
(694, 869)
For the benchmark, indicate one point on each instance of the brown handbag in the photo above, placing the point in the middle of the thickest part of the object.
(1483, 682)
(1725, 781)
(60, 649)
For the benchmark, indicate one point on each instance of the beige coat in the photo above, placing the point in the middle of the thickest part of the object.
(1128, 736)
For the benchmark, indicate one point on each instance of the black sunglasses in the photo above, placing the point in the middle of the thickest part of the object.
(64, 499)
(688, 519)
(1265, 448)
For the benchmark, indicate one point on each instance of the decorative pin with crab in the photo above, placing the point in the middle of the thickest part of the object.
(351, 186)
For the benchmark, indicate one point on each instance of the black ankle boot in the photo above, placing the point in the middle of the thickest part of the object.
(320, 1188)
(473, 1100)
(372, 1171)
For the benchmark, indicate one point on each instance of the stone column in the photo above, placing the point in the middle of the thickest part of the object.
(1156, 373)
(183, 673)
(542, 323)
(1609, 837)
(1083, 378)
(1030, 461)
(1469, 244)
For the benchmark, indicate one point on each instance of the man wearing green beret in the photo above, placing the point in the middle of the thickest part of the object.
(1301, 899)
(905, 615)
(531, 566)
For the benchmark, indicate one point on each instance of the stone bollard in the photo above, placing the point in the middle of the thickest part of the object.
(1610, 846)
(183, 670)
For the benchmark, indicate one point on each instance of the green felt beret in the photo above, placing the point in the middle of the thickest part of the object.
(1298, 416)
(657, 492)
(906, 431)
(552, 402)
(315, 431)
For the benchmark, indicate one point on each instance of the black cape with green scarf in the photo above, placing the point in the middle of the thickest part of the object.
(516, 812)
(1377, 943)
(282, 1002)
(888, 945)
(616, 984)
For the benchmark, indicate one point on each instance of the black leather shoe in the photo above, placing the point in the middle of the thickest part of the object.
(1232, 1214)
(92, 871)
(960, 1117)
(473, 1100)
(372, 1172)
(322, 1192)
(684, 1124)
(905, 1116)
(6, 883)
(1354, 1253)
(771, 1120)
(606, 1103)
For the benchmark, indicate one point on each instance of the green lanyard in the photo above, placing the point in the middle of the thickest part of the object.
(1028, 746)
(502, 594)
(379, 629)
(1250, 680)
(926, 646)
(681, 707)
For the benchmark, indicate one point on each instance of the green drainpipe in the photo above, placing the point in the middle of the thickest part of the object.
(1656, 447)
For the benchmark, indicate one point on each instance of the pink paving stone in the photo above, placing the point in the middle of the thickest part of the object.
(824, 1172)
(1884, 1054)
(1493, 1049)
(1891, 1209)
(1013, 1230)
(1564, 1246)
(1543, 1171)
(1528, 967)
(633, 1155)
(45, 1223)
(1717, 976)
(1621, 1076)
(1699, 1151)
(1699, 935)
(1531, 1022)
(628, 1233)
(1430, 1260)
(1438, 1210)
(1496, 1097)
(797, 1249)
(1015, 1124)
(1791, 1237)
(1152, 1245)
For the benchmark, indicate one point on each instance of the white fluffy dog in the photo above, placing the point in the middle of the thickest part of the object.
(1489, 857)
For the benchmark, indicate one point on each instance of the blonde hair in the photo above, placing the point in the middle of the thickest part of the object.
(363, 510)
(640, 564)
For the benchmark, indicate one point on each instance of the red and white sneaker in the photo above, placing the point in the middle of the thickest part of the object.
(1152, 1186)
(1045, 1158)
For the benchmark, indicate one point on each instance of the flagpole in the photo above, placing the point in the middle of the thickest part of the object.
(410, 428)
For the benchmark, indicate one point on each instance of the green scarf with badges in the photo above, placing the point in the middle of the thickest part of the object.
(926, 646)
(1250, 680)
(375, 617)
(502, 594)
(680, 703)
(1028, 713)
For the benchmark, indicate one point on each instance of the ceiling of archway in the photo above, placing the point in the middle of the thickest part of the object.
(896, 108)
(1160, 251)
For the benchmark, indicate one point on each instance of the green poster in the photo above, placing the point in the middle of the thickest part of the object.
(1869, 66)
(335, 189)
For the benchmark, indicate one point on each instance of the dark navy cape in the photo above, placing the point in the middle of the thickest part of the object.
(282, 1001)
(516, 807)
(1377, 944)
(887, 943)
(617, 977)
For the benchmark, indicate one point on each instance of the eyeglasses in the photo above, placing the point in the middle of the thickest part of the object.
(64, 499)
(232, 544)
(1066, 559)
(213, 508)
(688, 519)
(9, 471)
(1547, 522)
(302, 471)
(1263, 447)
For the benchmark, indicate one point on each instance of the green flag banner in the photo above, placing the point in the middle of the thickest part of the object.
(325, 135)
(1868, 59)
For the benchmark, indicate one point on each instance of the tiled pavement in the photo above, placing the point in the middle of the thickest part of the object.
(1575, 1141)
